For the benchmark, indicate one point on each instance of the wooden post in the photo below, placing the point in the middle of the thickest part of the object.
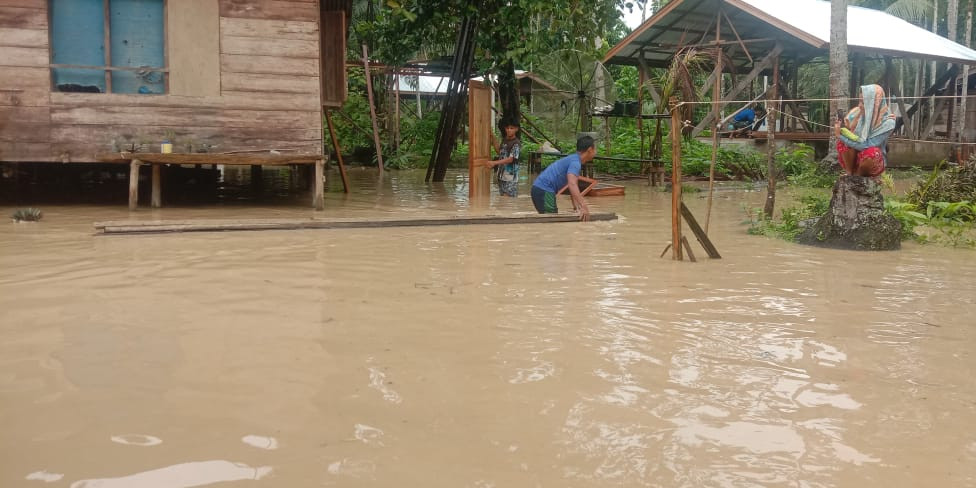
(675, 180)
(716, 98)
(157, 193)
(773, 111)
(396, 109)
(318, 194)
(338, 150)
(641, 79)
(372, 110)
(134, 184)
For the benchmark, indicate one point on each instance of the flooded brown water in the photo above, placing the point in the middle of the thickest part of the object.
(563, 355)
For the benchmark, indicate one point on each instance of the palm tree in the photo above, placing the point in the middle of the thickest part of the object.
(839, 75)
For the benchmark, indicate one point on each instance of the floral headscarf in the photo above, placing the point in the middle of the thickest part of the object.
(872, 117)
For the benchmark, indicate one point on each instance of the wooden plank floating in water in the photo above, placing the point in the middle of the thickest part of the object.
(164, 226)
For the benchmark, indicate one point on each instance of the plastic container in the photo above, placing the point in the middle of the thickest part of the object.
(166, 147)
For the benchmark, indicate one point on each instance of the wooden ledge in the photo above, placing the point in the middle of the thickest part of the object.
(167, 226)
(210, 158)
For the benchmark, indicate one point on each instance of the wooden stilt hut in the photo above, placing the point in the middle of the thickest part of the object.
(102, 81)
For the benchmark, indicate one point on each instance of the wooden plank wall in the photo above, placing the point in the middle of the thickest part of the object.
(269, 91)
(25, 118)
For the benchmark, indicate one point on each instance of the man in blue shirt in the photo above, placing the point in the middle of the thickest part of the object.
(747, 117)
(557, 175)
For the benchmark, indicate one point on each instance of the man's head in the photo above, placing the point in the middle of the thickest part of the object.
(586, 149)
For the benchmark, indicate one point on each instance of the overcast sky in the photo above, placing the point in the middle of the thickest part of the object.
(632, 19)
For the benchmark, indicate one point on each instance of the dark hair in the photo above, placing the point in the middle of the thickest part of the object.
(507, 122)
(584, 143)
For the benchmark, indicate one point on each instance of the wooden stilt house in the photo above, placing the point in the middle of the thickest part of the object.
(80, 78)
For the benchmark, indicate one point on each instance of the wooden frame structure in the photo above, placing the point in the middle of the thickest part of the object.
(718, 26)
(243, 76)
(156, 160)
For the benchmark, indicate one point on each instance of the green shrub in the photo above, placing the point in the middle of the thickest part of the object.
(792, 219)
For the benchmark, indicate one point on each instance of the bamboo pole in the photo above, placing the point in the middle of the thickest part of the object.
(338, 150)
(771, 143)
(372, 110)
(396, 109)
(716, 96)
(675, 180)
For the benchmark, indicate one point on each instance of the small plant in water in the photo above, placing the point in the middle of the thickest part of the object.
(27, 215)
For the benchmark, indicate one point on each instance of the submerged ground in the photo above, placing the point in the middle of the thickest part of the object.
(478, 356)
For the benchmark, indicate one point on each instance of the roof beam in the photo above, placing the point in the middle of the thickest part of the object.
(756, 70)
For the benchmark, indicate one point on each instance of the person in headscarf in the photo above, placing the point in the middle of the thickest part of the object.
(862, 134)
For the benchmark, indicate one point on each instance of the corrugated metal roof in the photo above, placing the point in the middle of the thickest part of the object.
(866, 28)
(437, 85)
(801, 26)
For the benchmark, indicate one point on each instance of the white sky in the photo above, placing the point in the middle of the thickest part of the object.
(632, 19)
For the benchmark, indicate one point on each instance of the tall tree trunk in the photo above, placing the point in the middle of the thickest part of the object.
(962, 118)
(455, 101)
(933, 68)
(839, 74)
(508, 93)
(952, 17)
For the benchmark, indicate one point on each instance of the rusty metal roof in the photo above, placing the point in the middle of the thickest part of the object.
(754, 26)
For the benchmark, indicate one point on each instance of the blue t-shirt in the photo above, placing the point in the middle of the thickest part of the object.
(553, 178)
(747, 115)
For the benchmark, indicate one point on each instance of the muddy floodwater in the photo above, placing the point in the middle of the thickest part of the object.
(532, 355)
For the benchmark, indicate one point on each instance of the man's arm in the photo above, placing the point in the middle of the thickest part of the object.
(578, 202)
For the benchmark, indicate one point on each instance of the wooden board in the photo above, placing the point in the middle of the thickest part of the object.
(594, 188)
(237, 63)
(333, 58)
(270, 9)
(24, 17)
(193, 30)
(155, 227)
(270, 83)
(479, 135)
(269, 28)
(607, 190)
(227, 159)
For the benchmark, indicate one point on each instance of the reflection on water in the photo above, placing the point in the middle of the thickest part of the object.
(477, 356)
(184, 475)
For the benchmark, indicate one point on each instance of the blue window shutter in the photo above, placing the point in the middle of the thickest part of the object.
(78, 38)
(137, 41)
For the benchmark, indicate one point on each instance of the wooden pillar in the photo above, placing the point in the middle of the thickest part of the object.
(641, 79)
(157, 193)
(773, 109)
(134, 184)
(318, 194)
(675, 180)
(338, 149)
(372, 110)
(716, 99)
(257, 175)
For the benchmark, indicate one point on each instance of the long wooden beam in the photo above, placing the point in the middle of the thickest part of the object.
(757, 69)
(210, 158)
(163, 226)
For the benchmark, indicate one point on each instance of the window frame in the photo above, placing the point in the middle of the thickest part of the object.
(108, 68)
